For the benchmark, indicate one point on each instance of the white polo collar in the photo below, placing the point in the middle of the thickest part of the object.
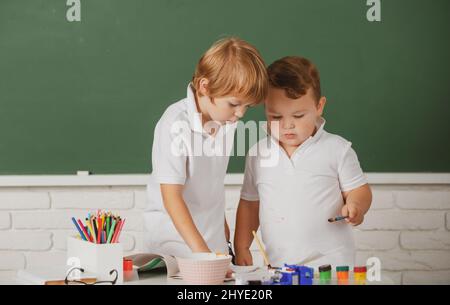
(194, 117)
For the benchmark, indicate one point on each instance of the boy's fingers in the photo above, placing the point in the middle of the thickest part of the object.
(344, 210)
(357, 220)
(229, 273)
(360, 220)
(244, 261)
(353, 214)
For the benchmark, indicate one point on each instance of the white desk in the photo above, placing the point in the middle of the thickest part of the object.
(159, 277)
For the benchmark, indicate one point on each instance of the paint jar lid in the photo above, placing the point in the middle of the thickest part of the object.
(342, 268)
(360, 269)
(325, 268)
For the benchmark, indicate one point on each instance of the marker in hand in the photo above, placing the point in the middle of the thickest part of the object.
(337, 218)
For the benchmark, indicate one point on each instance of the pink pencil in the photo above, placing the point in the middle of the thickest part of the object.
(84, 231)
(116, 230)
(116, 239)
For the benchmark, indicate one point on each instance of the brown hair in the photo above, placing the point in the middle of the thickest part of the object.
(233, 67)
(295, 75)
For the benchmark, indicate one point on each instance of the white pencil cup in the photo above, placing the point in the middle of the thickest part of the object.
(99, 259)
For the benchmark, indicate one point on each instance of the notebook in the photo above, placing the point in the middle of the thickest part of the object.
(150, 261)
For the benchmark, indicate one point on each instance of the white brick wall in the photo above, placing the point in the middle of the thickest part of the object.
(5, 221)
(23, 199)
(408, 226)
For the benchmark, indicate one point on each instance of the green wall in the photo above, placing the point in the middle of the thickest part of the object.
(87, 95)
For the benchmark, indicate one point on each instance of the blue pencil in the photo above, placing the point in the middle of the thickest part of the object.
(78, 228)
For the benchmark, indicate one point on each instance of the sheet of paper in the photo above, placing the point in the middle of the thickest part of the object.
(243, 269)
(315, 255)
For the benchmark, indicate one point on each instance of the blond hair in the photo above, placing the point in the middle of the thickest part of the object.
(232, 66)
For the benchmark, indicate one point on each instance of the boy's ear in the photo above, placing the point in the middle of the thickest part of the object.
(203, 86)
(321, 104)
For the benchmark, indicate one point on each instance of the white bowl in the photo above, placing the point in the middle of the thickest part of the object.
(204, 268)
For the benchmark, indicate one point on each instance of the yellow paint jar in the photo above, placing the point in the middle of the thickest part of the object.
(359, 274)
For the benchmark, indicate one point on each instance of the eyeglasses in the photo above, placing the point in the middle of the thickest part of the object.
(75, 282)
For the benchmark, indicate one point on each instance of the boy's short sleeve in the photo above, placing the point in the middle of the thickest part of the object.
(350, 173)
(249, 190)
(168, 155)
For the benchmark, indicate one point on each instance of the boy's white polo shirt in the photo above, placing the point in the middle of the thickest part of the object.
(183, 153)
(297, 196)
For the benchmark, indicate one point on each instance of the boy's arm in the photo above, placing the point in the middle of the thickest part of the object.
(247, 220)
(181, 217)
(357, 203)
(227, 230)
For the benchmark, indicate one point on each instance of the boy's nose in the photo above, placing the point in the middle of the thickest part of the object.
(240, 113)
(288, 124)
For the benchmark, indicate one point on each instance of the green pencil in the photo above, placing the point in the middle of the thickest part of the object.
(111, 231)
(107, 225)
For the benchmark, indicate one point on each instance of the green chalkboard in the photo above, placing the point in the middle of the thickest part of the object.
(86, 95)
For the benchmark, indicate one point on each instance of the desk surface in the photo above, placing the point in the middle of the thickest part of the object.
(159, 277)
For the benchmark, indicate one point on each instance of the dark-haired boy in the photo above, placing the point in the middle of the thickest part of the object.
(317, 176)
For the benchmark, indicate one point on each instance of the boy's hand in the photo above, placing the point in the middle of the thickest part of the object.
(355, 215)
(244, 258)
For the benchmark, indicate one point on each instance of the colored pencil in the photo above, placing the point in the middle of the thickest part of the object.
(116, 239)
(261, 249)
(111, 231)
(78, 228)
(84, 230)
(337, 218)
(116, 230)
(99, 230)
(89, 225)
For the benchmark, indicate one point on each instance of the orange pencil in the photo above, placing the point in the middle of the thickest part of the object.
(99, 230)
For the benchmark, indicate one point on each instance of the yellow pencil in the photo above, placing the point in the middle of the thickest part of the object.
(261, 249)
(91, 228)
